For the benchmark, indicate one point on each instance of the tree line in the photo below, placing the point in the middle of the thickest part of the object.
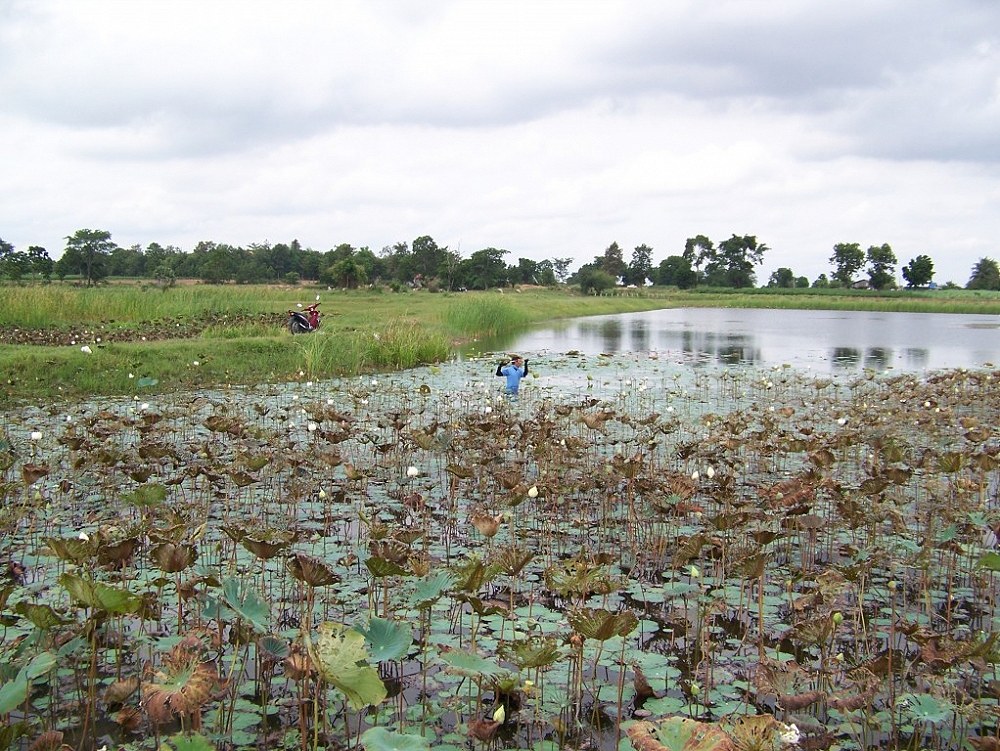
(93, 256)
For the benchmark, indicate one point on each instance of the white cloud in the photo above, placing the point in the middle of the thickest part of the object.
(548, 129)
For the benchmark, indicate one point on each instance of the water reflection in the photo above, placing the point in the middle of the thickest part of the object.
(824, 340)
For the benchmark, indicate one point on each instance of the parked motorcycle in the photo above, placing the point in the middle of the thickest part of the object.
(305, 320)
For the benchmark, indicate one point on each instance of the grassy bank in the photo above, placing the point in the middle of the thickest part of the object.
(201, 336)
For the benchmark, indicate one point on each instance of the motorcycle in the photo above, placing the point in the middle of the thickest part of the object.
(305, 320)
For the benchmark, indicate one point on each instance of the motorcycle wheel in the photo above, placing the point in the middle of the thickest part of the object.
(297, 327)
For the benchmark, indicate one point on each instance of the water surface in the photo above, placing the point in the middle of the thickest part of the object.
(821, 340)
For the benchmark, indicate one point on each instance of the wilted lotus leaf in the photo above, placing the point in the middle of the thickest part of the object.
(512, 559)
(181, 687)
(72, 549)
(390, 549)
(483, 729)
(823, 458)
(154, 450)
(117, 552)
(242, 479)
(951, 461)
(121, 690)
(31, 473)
(266, 544)
(756, 731)
(422, 439)
(224, 424)
(679, 734)
(50, 740)
(129, 718)
(487, 524)
(172, 557)
(460, 471)
(600, 624)
(310, 570)
(579, 577)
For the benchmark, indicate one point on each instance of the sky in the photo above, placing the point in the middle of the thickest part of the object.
(547, 128)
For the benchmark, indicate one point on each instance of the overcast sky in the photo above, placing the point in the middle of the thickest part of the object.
(546, 128)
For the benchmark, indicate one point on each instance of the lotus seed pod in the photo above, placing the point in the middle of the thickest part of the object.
(892, 586)
(838, 618)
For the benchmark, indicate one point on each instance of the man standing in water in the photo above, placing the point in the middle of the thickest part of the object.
(514, 371)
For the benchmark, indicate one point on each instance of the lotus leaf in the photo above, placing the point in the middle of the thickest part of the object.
(339, 655)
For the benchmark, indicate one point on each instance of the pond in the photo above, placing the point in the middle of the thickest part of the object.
(820, 340)
(632, 547)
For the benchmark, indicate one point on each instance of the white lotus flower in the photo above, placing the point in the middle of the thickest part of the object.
(322, 494)
(790, 736)
(84, 536)
(312, 427)
(695, 475)
(36, 435)
(196, 363)
(86, 350)
(533, 492)
(412, 471)
(710, 473)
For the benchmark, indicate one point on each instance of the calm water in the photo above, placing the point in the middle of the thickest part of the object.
(833, 341)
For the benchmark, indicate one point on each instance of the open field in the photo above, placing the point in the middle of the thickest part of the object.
(143, 340)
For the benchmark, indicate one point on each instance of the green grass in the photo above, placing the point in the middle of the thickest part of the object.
(362, 331)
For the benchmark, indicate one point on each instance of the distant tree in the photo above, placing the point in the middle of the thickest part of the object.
(699, 251)
(428, 257)
(801, 282)
(821, 282)
(881, 266)
(560, 267)
(640, 268)
(164, 275)
(484, 269)
(733, 263)
(612, 262)
(41, 264)
(526, 271)
(595, 280)
(546, 273)
(675, 271)
(88, 250)
(783, 277)
(347, 272)
(985, 275)
(919, 271)
(847, 260)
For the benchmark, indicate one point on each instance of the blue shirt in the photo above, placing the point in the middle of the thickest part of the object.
(514, 375)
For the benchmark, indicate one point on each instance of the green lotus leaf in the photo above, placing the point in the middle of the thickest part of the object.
(989, 561)
(390, 640)
(339, 655)
(380, 739)
(429, 590)
(146, 382)
(246, 603)
(680, 734)
(532, 653)
(14, 693)
(72, 549)
(382, 567)
(193, 742)
(42, 616)
(466, 663)
(99, 596)
(146, 495)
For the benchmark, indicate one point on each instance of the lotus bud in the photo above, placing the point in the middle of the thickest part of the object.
(500, 715)
(36, 435)
(695, 475)
(695, 689)
(322, 494)
(710, 473)
(892, 585)
(533, 492)
(412, 471)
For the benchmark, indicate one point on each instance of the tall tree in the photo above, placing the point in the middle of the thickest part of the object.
(612, 262)
(698, 251)
(88, 250)
(847, 260)
(675, 271)
(881, 266)
(41, 264)
(560, 267)
(427, 257)
(733, 263)
(919, 271)
(985, 275)
(640, 268)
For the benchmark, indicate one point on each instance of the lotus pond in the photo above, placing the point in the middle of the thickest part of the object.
(633, 553)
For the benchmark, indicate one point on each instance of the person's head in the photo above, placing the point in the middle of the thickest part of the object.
(516, 359)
